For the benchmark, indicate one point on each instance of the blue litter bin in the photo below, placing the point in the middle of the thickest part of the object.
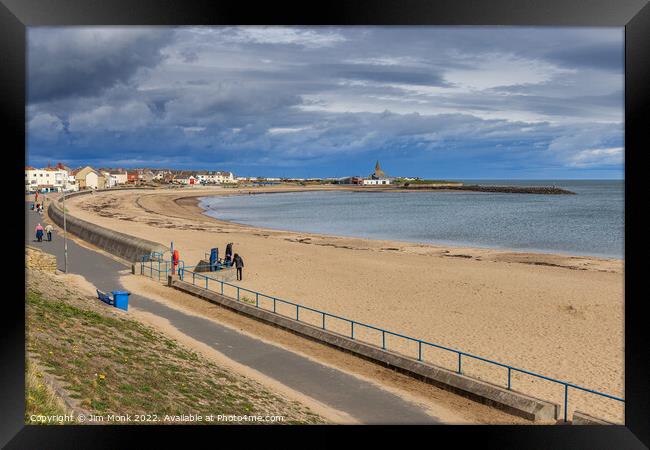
(121, 299)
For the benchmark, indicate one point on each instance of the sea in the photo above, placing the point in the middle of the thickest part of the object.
(590, 223)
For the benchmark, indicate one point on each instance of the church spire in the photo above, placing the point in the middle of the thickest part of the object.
(378, 173)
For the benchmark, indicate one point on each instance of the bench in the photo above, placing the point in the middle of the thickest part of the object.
(105, 297)
(204, 266)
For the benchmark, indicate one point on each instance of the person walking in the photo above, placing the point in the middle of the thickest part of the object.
(48, 230)
(239, 264)
(39, 233)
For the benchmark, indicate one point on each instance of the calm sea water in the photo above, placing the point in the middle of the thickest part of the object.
(590, 223)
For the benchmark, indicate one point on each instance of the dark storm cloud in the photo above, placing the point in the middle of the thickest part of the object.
(384, 73)
(607, 56)
(284, 96)
(85, 61)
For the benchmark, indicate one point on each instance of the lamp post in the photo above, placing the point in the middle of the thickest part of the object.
(65, 240)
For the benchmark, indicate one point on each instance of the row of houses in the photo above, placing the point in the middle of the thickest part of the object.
(63, 178)
(202, 177)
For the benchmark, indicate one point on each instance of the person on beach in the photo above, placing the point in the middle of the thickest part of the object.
(39, 233)
(228, 259)
(239, 264)
(48, 230)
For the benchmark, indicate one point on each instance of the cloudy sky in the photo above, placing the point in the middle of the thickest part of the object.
(437, 102)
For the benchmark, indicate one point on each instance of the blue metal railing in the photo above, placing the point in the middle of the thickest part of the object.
(162, 267)
(420, 343)
(156, 264)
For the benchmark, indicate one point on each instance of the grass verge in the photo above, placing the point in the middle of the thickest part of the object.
(114, 366)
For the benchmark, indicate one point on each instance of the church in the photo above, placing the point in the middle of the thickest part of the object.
(378, 177)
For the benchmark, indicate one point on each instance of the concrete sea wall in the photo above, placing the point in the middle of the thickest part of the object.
(580, 418)
(119, 244)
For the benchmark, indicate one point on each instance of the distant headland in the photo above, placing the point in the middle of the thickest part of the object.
(379, 178)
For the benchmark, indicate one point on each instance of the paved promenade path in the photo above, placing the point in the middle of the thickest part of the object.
(362, 400)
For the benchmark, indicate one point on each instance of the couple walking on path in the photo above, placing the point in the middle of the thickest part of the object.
(40, 231)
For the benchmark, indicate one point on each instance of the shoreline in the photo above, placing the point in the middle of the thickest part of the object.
(193, 203)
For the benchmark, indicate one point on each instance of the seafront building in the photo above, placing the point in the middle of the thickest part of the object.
(109, 181)
(119, 176)
(49, 179)
(185, 177)
(89, 178)
(162, 175)
(378, 177)
(215, 177)
(63, 178)
(349, 180)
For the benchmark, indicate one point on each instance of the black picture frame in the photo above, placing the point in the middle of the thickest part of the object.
(634, 15)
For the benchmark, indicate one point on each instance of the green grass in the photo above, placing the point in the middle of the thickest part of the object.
(119, 366)
(41, 399)
(247, 300)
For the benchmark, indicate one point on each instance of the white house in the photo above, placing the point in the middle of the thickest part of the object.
(32, 178)
(72, 183)
(47, 179)
(371, 181)
(215, 177)
(225, 177)
(109, 181)
(119, 177)
(160, 175)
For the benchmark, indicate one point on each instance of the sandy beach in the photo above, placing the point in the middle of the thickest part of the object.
(558, 315)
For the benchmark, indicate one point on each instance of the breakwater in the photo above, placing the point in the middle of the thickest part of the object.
(545, 190)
